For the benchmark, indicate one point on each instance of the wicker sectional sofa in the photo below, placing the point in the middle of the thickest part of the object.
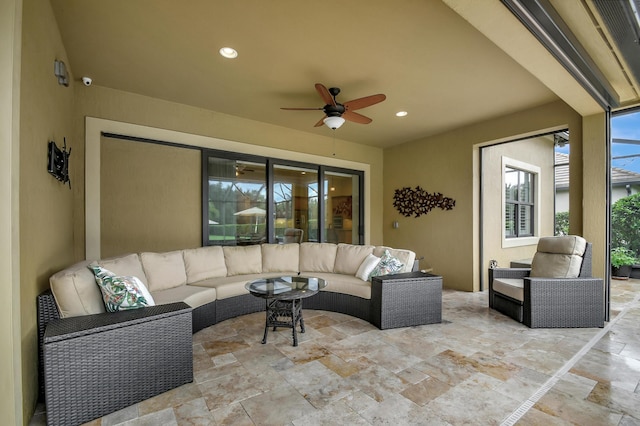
(193, 289)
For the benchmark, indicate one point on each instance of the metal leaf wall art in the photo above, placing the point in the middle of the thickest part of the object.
(417, 201)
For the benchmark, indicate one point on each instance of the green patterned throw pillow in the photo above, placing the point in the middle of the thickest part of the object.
(387, 265)
(121, 292)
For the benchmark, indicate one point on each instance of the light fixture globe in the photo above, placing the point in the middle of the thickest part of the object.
(333, 122)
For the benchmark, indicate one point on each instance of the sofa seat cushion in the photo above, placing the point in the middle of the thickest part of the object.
(512, 287)
(76, 292)
(318, 257)
(405, 256)
(280, 257)
(241, 260)
(349, 257)
(204, 262)
(341, 283)
(191, 295)
(234, 285)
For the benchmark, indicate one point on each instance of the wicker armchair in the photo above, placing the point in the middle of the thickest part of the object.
(94, 365)
(293, 235)
(541, 302)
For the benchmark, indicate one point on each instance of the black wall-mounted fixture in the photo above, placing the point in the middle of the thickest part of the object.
(58, 164)
(60, 70)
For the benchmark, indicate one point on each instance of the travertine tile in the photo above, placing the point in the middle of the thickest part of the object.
(477, 367)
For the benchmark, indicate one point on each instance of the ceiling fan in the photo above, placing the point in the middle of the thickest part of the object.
(336, 113)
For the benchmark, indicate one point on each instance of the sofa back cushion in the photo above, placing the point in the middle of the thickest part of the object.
(76, 292)
(241, 260)
(317, 257)
(405, 256)
(349, 257)
(126, 265)
(280, 257)
(164, 270)
(203, 263)
(558, 257)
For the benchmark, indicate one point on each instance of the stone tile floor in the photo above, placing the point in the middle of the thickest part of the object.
(477, 367)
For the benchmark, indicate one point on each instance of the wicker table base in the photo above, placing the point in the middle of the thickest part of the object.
(284, 313)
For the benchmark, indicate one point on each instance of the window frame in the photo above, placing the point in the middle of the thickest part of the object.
(535, 172)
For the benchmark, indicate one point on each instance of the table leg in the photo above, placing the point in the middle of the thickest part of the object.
(266, 323)
(294, 320)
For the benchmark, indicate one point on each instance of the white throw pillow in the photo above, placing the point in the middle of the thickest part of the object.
(367, 266)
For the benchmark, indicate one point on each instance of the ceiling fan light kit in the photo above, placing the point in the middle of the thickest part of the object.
(335, 113)
(333, 122)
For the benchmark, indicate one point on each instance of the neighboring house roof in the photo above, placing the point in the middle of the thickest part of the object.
(619, 176)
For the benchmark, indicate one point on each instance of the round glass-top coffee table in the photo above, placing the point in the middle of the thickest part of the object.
(284, 300)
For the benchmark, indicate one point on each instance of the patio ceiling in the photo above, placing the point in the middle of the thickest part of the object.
(448, 63)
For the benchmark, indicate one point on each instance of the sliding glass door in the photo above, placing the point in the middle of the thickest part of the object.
(295, 201)
(252, 200)
(236, 202)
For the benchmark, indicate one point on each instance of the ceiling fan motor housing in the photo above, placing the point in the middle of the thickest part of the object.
(334, 110)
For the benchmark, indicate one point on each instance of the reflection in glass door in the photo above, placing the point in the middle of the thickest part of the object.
(341, 207)
(236, 202)
(295, 199)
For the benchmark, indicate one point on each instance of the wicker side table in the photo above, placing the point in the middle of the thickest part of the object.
(404, 300)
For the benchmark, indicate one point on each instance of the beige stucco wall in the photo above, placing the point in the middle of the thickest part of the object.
(46, 205)
(151, 197)
(448, 163)
(537, 151)
(10, 362)
(594, 201)
(167, 121)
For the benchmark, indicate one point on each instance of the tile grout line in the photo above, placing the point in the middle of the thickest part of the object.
(530, 402)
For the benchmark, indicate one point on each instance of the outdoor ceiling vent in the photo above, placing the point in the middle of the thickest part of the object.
(622, 20)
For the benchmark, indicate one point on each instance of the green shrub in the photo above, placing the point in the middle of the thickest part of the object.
(621, 256)
(625, 223)
(562, 223)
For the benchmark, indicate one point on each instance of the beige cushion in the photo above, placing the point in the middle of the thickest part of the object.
(76, 292)
(189, 294)
(340, 283)
(512, 287)
(318, 257)
(164, 270)
(558, 257)
(127, 265)
(349, 257)
(235, 285)
(243, 259)
(204, 262)
(405, 256)
(280, 257)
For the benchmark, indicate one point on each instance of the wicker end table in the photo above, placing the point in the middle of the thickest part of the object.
(284, 300)
(404, 300)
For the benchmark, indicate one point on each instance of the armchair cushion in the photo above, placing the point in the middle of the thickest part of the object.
(512, 287)
(558, 257)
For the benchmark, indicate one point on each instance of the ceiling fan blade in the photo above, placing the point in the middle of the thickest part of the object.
(302, 109)
(325, 95)
(364, 102)
(321, 122)
(356, 118)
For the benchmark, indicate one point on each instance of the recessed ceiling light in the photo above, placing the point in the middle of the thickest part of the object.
(401, 113)
(229, 52)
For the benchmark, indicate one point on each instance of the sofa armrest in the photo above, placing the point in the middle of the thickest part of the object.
(98, 364)
(65, 328)
(508, 273)
(406, 299)
(563, 302)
